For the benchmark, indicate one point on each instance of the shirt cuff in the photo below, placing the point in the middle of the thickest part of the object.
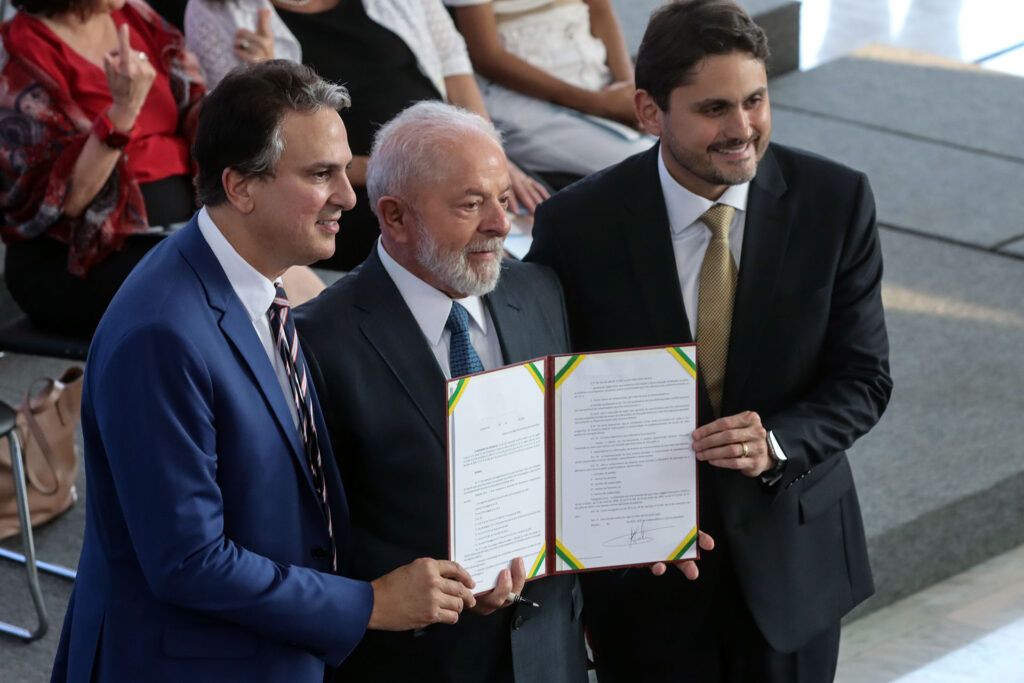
(772, 476)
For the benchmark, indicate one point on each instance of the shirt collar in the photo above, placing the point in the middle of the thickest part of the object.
(685, 208)
(430, 306)
(254, 290)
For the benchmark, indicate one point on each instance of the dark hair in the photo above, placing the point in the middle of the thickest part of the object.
(240, 122)
(682, 33)
(51, 8)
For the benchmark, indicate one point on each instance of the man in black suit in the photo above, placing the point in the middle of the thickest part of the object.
(769, 258)
(379, 343)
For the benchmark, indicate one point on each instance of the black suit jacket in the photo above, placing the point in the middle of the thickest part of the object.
(808, 351)
(384, 403)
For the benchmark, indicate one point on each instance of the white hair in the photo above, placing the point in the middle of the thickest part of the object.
(407, 149)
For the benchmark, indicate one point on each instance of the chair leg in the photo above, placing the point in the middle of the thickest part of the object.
(18, 469)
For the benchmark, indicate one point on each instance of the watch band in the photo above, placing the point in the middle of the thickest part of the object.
(105, 132)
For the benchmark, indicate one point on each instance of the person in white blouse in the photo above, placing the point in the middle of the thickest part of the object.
(559, 80)
(224, 34)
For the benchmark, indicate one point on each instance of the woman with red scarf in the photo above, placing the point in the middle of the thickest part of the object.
(98, 102)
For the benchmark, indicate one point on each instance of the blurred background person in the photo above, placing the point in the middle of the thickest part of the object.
(389, 55)
(97, 113)
(224, 34)
(559, 82)
(97, 108)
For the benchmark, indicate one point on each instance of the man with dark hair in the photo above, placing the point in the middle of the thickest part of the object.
(769, 258)
(217, 525)
(435, 300)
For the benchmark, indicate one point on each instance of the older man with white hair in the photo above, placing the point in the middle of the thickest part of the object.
(432, 301)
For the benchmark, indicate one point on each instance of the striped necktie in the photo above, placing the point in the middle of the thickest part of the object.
(287, 341)
(462, 357)
(714, 303)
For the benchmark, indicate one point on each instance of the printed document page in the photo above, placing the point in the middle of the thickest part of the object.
(496, 435)
(625, 472)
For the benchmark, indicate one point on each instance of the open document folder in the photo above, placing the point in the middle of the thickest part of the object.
(574, 462)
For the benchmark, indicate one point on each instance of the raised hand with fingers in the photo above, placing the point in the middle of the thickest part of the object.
(419, 594)
(510, 581)
(252, 47)
(129, 77)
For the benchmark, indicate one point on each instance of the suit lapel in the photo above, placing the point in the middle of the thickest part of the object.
(393, 332)
(238, 329)
(649, 241)
(512, 328)
(764, 246)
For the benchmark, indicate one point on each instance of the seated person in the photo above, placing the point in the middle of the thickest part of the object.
(96, 111)
(560, 82)
(388, 54)
(224, 34)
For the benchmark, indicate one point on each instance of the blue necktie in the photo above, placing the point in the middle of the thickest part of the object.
(462, 358)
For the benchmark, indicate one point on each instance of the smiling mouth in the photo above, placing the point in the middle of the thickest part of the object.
(331, 225)
(733, 147)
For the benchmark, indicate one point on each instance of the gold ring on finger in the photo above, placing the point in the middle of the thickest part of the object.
(745, 449)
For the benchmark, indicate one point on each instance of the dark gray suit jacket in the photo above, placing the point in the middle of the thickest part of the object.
(808, 351)
(383, 396)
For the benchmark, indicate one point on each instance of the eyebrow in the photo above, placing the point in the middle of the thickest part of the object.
(480, 192)
(763, 90)
(329, 165)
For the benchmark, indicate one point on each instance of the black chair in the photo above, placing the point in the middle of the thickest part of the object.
(22, 337)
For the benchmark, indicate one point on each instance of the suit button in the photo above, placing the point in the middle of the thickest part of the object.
(518, 622)
(319, 553)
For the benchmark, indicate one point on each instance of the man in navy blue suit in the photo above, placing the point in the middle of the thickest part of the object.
(217, 524)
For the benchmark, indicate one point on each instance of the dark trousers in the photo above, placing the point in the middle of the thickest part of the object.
(36, 271)
(56, 301)
(692, 632)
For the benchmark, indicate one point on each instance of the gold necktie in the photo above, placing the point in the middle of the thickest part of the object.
(714, 302)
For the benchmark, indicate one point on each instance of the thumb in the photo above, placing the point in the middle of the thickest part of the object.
(263, 29)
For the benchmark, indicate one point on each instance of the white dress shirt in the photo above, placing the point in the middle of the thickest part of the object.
(255, 292)
(690, 238)
(431, 307)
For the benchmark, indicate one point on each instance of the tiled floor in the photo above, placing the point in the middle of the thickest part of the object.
(966, 629)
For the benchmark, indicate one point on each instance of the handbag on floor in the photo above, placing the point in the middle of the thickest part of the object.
(46, 424)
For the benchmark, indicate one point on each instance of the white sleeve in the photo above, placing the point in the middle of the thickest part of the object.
(210, 35)
(451, 48)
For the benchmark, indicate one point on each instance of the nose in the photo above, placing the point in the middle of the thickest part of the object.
(343, 194)
(738, 125)
(495, 221)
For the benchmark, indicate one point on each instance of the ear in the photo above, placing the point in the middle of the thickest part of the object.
(648, 113)
(396, 220)
(238, 189)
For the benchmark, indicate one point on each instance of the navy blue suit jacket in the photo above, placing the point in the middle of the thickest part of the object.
(204, 556)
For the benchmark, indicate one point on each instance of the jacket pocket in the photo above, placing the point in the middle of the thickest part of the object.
(826, 492)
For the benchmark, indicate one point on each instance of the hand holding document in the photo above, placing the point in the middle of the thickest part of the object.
(574, 462)
(412, 596)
